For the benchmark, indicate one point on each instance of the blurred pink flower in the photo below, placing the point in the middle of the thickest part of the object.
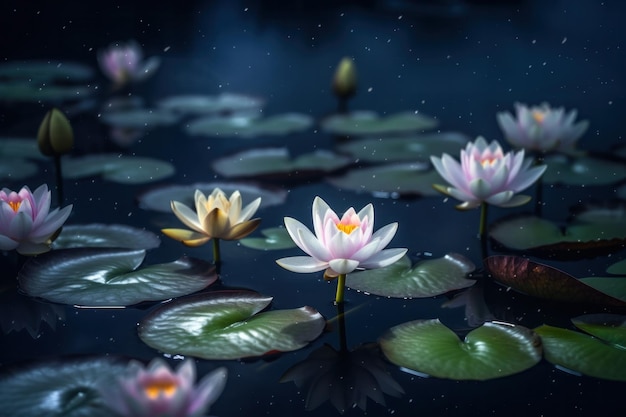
(124, 63)
(156, 391)
(340, 244)
(542, 128)
(26, 222)
(486, 174)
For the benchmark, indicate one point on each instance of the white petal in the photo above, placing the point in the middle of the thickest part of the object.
(384, 258)
(525, 179)
(187, 216)
(385, 234)
(54, 221)
(7, 243)
(292, 225)
(249, 210)
(319, 211)
(343, 266)
(480, 188)
(312, 246)
(500, 199)
(302, 264)
(516, 200)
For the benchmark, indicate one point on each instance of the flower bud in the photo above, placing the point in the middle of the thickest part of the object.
(344, 81)
(55, 135)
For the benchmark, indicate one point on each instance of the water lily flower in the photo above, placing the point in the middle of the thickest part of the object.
(216, 217)
(26, 222)
(156, 391)
(123, 63)
(542, 128)
(340, 244)
(487, 175)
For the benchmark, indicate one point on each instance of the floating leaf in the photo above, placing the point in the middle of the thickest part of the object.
(608, 327)
(582, 353)
(404, 149)
(275, 238)
(43, 71)
(139, 118)
(105, 235)
(68, 389)
(369, 123)
(117, 168)
(16, 169)
(618, 268)
(426, 279)
(250, 126)
(391, 180)
(198, 104)
(20, 148)
(615, 287)
(228, 325)
(109, 277)
(159, 198)
(543, 281)
(276, 162)
(491, 351)
(22, 91)
(584, 171)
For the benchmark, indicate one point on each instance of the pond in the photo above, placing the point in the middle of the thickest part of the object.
(316, 108)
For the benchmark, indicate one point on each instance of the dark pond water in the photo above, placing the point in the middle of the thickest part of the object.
(458, 61)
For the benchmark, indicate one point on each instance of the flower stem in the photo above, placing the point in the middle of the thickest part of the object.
(483, 220)
(216, 251)
(341, 286)
(59, 178)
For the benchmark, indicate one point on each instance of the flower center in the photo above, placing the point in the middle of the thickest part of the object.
(15, 205)
(160, 388)
(488, 162)
(539, 116)
(346, 228)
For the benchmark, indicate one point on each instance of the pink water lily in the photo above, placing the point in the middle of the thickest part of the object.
(123, 63)
(542, 128)
(26, 222)
(341, 244)
(487, 175)
(156, 391)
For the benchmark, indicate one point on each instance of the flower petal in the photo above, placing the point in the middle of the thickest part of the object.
(343, 266)
(186, 215)
(243, 229)
(384, 258)
(302, 264)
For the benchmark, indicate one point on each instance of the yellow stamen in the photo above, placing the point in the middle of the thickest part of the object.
(15, 205)
(155, 389)
(346, 228)
(488, 162)
(539, 116)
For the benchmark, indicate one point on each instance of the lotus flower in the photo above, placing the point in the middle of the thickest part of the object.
(340, 245)
(26, 222)
(487, 175)
(156, 391)
(542, 128)
(124, 63)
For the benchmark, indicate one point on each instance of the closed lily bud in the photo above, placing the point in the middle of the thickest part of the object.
(55, 136)
(344, 81)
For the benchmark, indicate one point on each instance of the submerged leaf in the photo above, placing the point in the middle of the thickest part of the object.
(228, 325)
(491, 351)
(109, 277)
(428, 278)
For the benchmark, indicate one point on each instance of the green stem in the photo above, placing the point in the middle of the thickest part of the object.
(216, 251)
(59, 178)
(341, 287)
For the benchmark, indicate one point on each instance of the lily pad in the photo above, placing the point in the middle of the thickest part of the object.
(275, 238)
(404, 149)
(276, 162)
(390, 180)
(59, 388)
(220, 104)
(584, 171)
(616, 287)
(228, 325)
(541, 236)
(22, 91)
(20, 148)
(44, 71)
(428, 278)
(370, 123)
(608, 327)
(491, 351)
(159, 198)
(581, 353)
(248, 127)
(543, 281)
(109, 277)
(105, 236)
(139, 118)
(16, 169)
(118, 168)
(618, 268)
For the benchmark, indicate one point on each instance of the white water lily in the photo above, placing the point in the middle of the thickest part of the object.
(487, 175)
(542, 128)
(341, 244)
(123, 63)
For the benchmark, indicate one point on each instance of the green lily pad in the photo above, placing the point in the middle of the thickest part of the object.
(608, 327)
(250, 126)
(44, 71)
(105, 236)
(275, 238)
(139, 118)
(228, 325)
(220, 104)
(582, 171)
(591, 235)
(61, 388)
(621, 192)
(615, 287)
(14, 169)
(390, 180)
(370, 123)
(618, 268)
(159, 198)
(404, 149)
(109, 277)
(543, 281)
(20, 148)
(117, 168)
(22, 91)
(426, 279)
(582, 353)
(277, 163)
(491, 351)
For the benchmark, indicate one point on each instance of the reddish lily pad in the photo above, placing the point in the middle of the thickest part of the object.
(229, 325)
(491, 351)
(545, 282)
(370, 123)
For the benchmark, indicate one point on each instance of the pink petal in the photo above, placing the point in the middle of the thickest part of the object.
(302, 264)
